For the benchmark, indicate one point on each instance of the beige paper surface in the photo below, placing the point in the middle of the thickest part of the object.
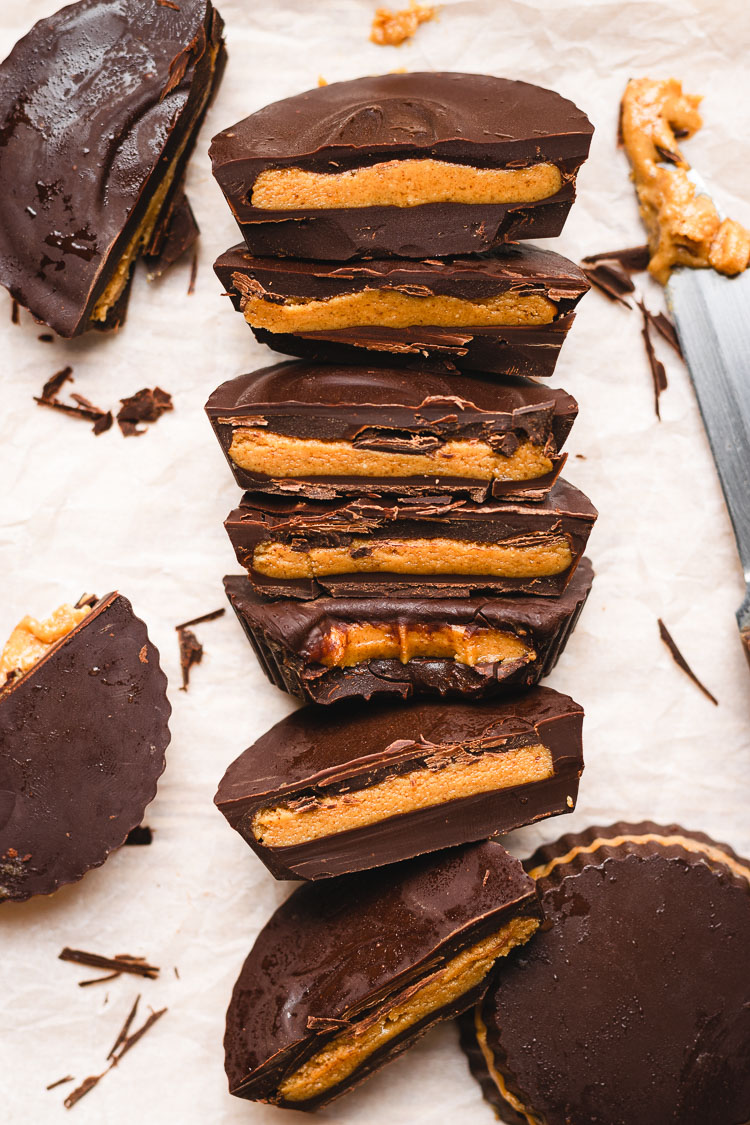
(144, 515)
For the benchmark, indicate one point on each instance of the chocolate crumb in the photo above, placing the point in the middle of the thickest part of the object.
(682, 663)
(145, 405)
(122, 963)
(86, 599)
(55, 382)
(193, 274)
(59, 1082)
(168, 4)
(658, 372)
(46, 338)
(666, 329)
(140, 836)
(667, 155)
(177, 972)
(15, 317)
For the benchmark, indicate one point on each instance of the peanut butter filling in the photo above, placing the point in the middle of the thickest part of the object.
(402, 183)
(284, 825)
(684, 227)
(145, 232)
(345, 645)
(348, 1051)
(391, 29)
(281, 457)
(31, 639)
(389, 308)
(550, 555)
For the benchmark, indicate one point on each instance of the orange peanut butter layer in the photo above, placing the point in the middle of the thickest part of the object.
(389, 308)
(31, 639)
(684, 227)
(284, 825)
(345, 645)
(391, 29)
(280, 456)
(549, 555)
(341, 1057)
(403, 183)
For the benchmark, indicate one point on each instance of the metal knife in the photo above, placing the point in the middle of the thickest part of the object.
(712, 316)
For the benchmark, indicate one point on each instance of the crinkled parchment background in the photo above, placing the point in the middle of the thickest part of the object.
(144, 515)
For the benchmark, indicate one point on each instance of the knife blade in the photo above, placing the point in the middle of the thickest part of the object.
(712, 316)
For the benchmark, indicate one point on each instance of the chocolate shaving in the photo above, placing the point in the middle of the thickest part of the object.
(102, 419)
(634, 259)
(140, 835)
(122, 963)
(682, 663)
(133, 1039)
(122, 1045)
(200, 620)
(168, 4)
(193, 274)
(658, 372)
(667, 155)
(86, 599)
(611, 279)
(191, 652)
(60, 1082)
(666, 329)
(125, 1028)
(145, 405)
(83, 1089)
(15, 317)
(97, 980)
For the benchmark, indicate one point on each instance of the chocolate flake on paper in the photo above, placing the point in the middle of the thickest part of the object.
(682, 663)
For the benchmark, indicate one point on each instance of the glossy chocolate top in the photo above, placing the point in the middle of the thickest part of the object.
(520, 268)
(323, 746)
(332, 952)
(483, 119)
(299, 626)
(92, 103)
(83, 734)
(636, 998)
(379, 395)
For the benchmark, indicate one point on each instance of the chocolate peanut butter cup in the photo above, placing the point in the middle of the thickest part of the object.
(349, 973)
(633, 1004)
(413, 165)
(330, 792)
(410, 546)
(83, 727)
(329, 649)
(102, 103)
(506, 312)
(323, 431)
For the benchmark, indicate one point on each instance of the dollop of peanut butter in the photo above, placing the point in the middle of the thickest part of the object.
(684, 227)
(31, 639)
(391, 29)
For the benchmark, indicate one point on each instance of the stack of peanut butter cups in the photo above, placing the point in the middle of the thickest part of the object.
(412, 560)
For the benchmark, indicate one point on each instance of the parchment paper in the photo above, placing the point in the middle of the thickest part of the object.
(144, 515)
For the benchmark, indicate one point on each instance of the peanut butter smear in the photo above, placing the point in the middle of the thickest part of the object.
(284, 825)
(549, 555)
(391, 29)
(282, 457)
(402, 183)
(388, 308)
(684, 227)
(31, 639)
(347, 644)
(341, 1057)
